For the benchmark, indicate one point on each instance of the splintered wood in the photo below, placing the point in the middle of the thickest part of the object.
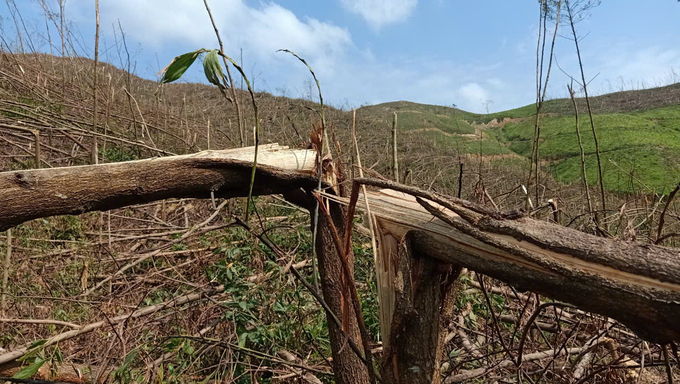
(637, 284)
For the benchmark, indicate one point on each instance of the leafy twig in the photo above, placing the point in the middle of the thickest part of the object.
(213, 72)
(320, 165)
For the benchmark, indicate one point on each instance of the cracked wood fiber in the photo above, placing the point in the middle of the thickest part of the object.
(637, 284)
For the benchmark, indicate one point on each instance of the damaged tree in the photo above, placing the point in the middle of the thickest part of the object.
(637, 284)
(423, 304)
(425, 239)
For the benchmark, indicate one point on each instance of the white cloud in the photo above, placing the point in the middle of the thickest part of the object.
(648, 66)
(346, 71)
(379, 13)
(472, 97)
(259, 30)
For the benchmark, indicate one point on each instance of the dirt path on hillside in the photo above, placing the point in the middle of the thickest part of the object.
(470, 135)
(495, 123)
(497, 156)
(512, 155)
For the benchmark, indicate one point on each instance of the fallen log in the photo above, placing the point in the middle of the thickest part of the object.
(31, 194)
(35, 193)
(636, 284)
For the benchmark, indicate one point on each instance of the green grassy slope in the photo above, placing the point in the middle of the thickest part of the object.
(443, 126)
(638, 134)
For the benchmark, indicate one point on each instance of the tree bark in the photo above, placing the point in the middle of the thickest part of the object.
(31, 194)
(425, 295)
(347, 367)
(637, 284)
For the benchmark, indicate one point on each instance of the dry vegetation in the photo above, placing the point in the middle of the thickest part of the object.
(245, 319)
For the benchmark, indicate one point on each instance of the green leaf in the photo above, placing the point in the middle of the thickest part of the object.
(130, 357)
(179, 65)
(213, 68)
(278, 307)
(188, 349)
(37, 343)
(57, 356)
(34, 349)
(31, 370)
(454, 353)
(242, 338)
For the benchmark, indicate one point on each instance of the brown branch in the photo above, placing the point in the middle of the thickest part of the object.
(174, 302)
(30, 194)
(349, 278)
(40, 321)
(479, 372)
(662, 219)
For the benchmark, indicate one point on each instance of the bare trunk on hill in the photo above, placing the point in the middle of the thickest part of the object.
(540, 97)
(63, 47)
(571, 15)
(95, 149)
(234, 96)
(584, 177)
(395, 159)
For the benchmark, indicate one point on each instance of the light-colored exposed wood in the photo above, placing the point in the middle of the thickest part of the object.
(30, 194)
(637, 284)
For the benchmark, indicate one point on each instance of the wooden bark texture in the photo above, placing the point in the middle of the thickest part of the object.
(347, 367)
(31, 194)
(637, 284)
(424, 297)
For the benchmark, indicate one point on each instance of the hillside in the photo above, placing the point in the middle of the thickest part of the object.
(638, 132)
(265, 327)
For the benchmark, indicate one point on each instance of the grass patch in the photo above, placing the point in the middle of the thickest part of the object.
(489, 146)
(408, 120)
(614, 131)
(639, 150)
(641, 147)
(627, 170)
(115, 154)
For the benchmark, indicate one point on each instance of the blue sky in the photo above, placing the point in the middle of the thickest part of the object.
(372, 51)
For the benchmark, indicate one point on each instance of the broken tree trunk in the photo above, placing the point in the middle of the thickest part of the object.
(347, 367)
(637, 284)
(26, 195)
(35, 193)
(423, 305)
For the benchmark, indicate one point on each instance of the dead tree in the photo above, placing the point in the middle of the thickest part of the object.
(424, 240)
